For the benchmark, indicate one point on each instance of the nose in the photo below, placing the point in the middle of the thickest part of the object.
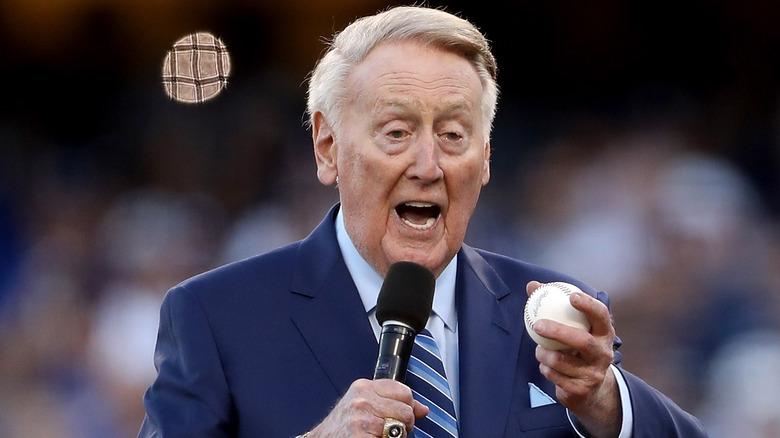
(425, 165)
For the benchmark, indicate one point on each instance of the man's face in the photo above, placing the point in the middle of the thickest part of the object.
(411, 156)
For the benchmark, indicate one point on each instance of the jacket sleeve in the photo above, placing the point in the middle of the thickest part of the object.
(190, 396)
(656, 415)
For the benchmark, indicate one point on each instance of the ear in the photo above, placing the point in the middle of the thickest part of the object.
(324, 149)
(486, 165)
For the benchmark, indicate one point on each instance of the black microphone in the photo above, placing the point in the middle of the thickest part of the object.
(402, 309)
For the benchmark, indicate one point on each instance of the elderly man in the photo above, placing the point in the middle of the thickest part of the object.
(284, 344)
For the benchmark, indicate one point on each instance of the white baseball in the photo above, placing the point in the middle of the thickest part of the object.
(551, 301)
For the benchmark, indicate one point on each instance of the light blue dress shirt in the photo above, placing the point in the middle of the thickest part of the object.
(443, 323)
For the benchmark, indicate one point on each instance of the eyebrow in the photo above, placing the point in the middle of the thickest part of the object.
(403, 104)
(406, 105)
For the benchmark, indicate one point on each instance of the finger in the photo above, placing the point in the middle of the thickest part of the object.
(406, 415)
(394, 390)
(560, 380)
(573, 367)
(418, 410)
(574, 392)
(576, 338)
(532, 286)
(374, 426)
(596, 312)
(373, 401)
(567, 363)
(396, 401)
(573, 380)
(592, 350)
(566, 388)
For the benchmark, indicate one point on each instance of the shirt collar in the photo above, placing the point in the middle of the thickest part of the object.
(369, 282)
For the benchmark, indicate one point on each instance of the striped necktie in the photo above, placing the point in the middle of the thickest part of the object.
(425, 375)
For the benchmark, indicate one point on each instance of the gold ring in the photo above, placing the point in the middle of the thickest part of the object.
(394, 429)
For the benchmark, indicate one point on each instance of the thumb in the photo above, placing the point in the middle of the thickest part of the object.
(420, 410)
(532, 286)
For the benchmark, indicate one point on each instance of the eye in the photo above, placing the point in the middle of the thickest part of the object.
(393, 139)
(453, 140)
(452, 136)
(396, 134)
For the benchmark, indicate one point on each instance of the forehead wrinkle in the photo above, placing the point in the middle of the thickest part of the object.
(450, 100)
(406, 91)
(412, 81)
(450, 94)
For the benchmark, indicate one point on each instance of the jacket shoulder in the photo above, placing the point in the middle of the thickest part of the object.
(517, 273)
(268, 269)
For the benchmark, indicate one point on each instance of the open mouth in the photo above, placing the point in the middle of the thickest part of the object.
(419, 215)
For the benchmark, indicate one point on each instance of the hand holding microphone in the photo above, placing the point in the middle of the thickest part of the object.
(369, 406)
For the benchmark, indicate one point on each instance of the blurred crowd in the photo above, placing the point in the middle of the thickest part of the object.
(683, 234)
(679, 236)
(91, 242)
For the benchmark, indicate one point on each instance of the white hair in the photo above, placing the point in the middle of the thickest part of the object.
(428, 26)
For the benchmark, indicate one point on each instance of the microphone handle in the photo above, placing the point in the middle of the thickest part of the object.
(395, 349)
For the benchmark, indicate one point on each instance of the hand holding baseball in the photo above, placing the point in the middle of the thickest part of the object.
(583, 381)
(552, 301)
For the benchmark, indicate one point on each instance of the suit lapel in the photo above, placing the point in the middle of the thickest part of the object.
(489, 344)
(330, 316)
(328, 311)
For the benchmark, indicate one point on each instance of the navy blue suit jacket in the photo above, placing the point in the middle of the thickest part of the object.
(265, 347)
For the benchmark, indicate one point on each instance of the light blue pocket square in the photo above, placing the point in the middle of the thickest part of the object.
(539, 397)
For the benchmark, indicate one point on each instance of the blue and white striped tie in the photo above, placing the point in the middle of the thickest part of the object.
(425, 375)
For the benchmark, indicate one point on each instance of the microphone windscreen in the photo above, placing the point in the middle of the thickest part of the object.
(406, 295)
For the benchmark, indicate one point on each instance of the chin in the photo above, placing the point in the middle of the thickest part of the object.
(431, 261)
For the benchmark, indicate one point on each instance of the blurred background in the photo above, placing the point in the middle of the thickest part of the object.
(637, 146)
